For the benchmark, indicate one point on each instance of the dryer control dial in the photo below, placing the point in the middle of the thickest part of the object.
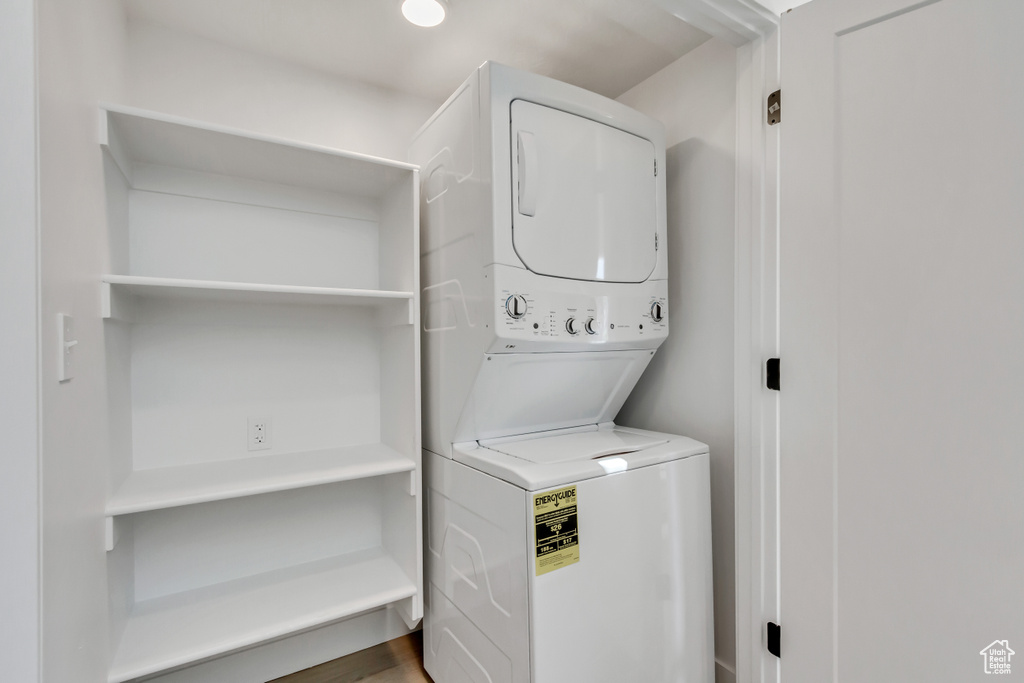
(571, 326)
(590, 326)
(657, 313)
(515, 306)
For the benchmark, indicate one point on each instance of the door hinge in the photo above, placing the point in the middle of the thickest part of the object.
(655, 168)
(771, 374)
(774, 636)
(774, 107)
(655, 241)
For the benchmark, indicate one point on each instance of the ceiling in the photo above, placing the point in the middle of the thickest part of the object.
(606, 46)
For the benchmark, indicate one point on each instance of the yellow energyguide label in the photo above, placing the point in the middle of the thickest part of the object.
(557, 533)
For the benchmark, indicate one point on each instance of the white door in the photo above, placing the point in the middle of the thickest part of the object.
(902, 340)
(584, 200)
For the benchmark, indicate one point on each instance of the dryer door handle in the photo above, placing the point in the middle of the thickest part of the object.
(527, 173)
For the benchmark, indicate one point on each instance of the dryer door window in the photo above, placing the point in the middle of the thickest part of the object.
(584, 202)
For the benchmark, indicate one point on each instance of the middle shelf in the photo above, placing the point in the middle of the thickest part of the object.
(240, 292)
(165, 487)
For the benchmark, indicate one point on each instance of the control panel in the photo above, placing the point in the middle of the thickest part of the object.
(554, 313)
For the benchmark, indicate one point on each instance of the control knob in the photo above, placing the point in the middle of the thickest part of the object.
(515, 306)
(657, 314)
(589, 326)
(571, 326)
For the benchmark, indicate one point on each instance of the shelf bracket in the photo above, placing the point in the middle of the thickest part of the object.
(106, 305)
(410, 611)
(115, 304)
(412, 483)
(412, 312)
(109, 139)
(112, 533)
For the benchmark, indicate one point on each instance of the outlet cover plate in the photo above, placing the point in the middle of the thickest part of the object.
(259, 433)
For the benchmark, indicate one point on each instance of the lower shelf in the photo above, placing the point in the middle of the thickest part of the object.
(186, 628)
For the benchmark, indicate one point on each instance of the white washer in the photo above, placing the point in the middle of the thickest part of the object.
(545, 295)
(635, 606)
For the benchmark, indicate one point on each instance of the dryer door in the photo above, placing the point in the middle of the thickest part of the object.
(584, 199)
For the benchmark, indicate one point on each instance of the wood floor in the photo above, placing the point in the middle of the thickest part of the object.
(396, 661)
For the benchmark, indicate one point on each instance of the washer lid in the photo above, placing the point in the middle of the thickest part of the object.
(542, 461)
(578, 446)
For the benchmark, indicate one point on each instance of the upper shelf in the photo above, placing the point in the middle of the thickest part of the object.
(135, 136)
(241, 292)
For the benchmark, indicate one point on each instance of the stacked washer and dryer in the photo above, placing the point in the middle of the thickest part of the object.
(560, 547)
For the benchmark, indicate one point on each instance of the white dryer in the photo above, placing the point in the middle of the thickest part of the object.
(559, 546)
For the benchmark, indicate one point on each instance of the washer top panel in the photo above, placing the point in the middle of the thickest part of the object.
(535, 462)
(578, 446)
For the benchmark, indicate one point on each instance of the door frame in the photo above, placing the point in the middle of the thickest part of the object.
(756, 466)
(19, 338)
(752, 27)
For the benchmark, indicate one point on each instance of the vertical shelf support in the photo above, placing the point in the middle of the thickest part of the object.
(112, 532)
(106, 306)
(109, 140)
(410, 612)
(114, 304)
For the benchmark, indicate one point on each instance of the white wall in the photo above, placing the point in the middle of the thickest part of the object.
(19, 397)
(182, 74)
(688, 388)
(80, 46)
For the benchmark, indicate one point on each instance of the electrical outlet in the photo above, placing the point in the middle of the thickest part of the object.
(259, 433)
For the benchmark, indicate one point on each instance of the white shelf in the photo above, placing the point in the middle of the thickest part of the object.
(202, 482)
(243, 292)
(173, 631)
(268, 278)
(140, 137)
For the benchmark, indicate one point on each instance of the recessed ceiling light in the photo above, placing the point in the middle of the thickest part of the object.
(425, 13)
